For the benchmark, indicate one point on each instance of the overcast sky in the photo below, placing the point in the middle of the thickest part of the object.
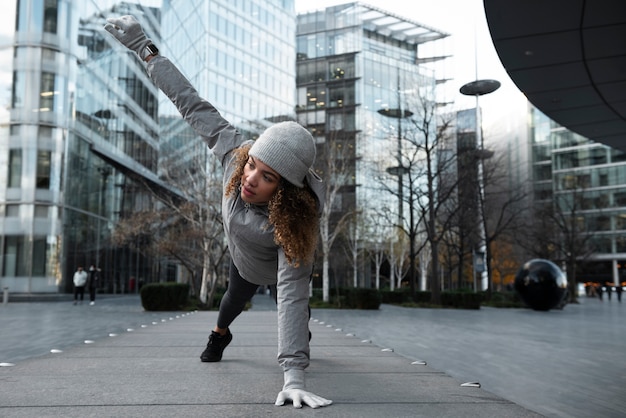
(470, 43)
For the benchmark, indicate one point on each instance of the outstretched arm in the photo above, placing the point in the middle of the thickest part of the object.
(203, 117)
(293, 334)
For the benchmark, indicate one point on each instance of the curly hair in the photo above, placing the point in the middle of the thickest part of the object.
(292, 212)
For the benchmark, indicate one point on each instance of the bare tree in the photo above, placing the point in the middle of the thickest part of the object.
(430, 160)
(336, 160)
(186, 224)
(424, 262)
(375, 240)
(500, 214)
(398, 259)
(200, 181)
(562, 233)
(453, 253)
(425, 166)
(352, 234)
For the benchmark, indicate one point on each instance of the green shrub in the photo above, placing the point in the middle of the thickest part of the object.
(504, 300)
(361, 298)
(347, 298)
(461, 300)
(456, 299)
(166, 296)
(421, 297)
(395, 297)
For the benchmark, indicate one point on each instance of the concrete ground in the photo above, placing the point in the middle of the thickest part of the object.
(114, 359)
(561, 363)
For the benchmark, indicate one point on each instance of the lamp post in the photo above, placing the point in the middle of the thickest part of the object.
(480, 88)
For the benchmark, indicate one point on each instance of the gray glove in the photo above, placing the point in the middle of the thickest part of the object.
(127, 30)
(293, 390)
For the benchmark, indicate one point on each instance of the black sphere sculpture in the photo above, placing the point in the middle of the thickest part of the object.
(541, 284)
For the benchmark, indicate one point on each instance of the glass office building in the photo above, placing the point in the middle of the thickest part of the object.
(588, 180)
(71, 126)
(358, 69)
(240, 55)
(82, 126)
(79, 123)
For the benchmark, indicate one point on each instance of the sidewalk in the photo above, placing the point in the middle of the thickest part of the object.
(155, 370)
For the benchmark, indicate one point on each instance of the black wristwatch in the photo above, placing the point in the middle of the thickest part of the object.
(152, 50)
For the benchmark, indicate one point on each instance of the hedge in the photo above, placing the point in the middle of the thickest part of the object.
(168, 296)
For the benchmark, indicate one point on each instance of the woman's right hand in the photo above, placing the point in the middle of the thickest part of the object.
(127, 30)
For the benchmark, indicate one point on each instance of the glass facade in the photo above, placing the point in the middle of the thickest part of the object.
(82, 125)
(589, 178)
(355, 65)
(78, 116)
(351, 65)
(239, 54)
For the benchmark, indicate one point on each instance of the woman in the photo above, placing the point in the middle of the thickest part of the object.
(270, 210)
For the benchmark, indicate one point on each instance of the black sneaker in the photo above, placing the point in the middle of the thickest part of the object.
(215, 347)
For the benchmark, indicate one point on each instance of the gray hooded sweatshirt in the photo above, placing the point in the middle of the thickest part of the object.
(250, 238)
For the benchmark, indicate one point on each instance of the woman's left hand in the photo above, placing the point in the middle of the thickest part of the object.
(300, 396)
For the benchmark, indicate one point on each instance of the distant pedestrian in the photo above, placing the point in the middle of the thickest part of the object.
(80, 279)
(94, 282)
(618, 292)
(599, 291)
(591, 290)
(609, 291)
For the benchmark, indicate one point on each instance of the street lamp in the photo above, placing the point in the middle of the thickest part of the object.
(480, 88)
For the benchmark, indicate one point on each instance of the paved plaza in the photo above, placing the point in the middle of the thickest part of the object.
(561, 363)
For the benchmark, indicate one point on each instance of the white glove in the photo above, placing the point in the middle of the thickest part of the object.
(299, 396)
(293, 390)
(127, 30)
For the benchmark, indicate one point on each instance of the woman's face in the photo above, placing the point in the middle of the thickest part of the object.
(258, 183)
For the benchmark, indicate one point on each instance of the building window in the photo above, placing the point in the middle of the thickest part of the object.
(18, 90)
(43, 170)
(602, 223)
(41, 211)
(316, 97)
(313, 71)
(15, 168)
(602, 245)
(341, 96)
(12, 211)
(620, 199)
(14, 256)
(40, 257)
(50, 14)
(340, 69)
(343, 121)
(542, 172)
(46, 99)
(37, 15)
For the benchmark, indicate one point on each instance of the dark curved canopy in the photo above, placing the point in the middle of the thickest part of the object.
(569, 58)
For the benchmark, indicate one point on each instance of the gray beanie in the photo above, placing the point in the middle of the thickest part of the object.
(287, 148)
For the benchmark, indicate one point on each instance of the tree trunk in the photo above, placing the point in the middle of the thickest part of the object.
(325, 281)
(204, 288)
(435, 288)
